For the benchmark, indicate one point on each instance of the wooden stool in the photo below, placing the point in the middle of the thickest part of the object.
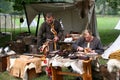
(57, 73)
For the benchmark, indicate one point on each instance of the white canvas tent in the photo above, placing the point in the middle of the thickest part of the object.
(117, 26)
(33, 23)
(76, 15)
(115, 46)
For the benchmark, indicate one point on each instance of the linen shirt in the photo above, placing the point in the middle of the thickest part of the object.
(95, 44)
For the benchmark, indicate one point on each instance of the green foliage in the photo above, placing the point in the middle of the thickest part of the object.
(109, 7)
(114, 4)
(6, 7)
(18, 4)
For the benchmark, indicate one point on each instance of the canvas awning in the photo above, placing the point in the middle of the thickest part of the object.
(75, 16)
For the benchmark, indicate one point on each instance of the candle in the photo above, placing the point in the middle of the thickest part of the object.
(88, 45)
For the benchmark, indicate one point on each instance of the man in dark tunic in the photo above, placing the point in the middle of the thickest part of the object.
(93, 45)
(46, 33)
(89, 42)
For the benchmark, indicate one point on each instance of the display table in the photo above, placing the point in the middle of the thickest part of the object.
(25, 67)
(57, 73)
(81, 67)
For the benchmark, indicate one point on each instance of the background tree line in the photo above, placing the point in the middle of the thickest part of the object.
(108, 7)
(104, 7)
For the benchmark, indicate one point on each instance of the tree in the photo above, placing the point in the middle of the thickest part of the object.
(114, 4)
(6, 6)
(100, 3)
(18, 4)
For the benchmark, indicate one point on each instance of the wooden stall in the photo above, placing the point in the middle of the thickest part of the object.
(57, 73)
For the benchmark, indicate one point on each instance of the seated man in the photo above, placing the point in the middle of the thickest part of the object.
(88, 43)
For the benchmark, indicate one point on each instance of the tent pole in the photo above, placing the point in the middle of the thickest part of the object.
(5, 24)
(37, 24)
(26, 16)
(20, 24)
(0, 24)
(14, 23)
(11, 27)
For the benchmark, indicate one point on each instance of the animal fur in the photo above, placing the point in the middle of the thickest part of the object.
(113, 63)
(101, 72)
(106, 74)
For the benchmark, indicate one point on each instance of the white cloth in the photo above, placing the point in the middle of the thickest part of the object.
(68, 39)
(115, 46)
(10, 52)
(77, 65)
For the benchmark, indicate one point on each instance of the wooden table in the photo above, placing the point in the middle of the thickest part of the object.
(57, 73)
(30, 72)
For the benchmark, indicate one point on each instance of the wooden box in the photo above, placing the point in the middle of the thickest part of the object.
(17, 46)
(32, 74)
(3, 63)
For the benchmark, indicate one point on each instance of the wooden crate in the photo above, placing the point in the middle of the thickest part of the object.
(3, 63)
(18, 47)
(32, 74)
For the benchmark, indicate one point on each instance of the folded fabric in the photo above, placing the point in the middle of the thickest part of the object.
(68, 39)
(77, 65)
(19, 65)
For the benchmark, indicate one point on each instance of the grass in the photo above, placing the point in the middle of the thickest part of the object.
(106, 31)
(6, 76)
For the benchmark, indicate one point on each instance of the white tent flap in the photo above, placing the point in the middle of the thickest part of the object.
(115, 46)
(117, 26)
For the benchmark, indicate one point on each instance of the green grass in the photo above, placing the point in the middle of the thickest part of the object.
(6, 76)
(106, 29)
